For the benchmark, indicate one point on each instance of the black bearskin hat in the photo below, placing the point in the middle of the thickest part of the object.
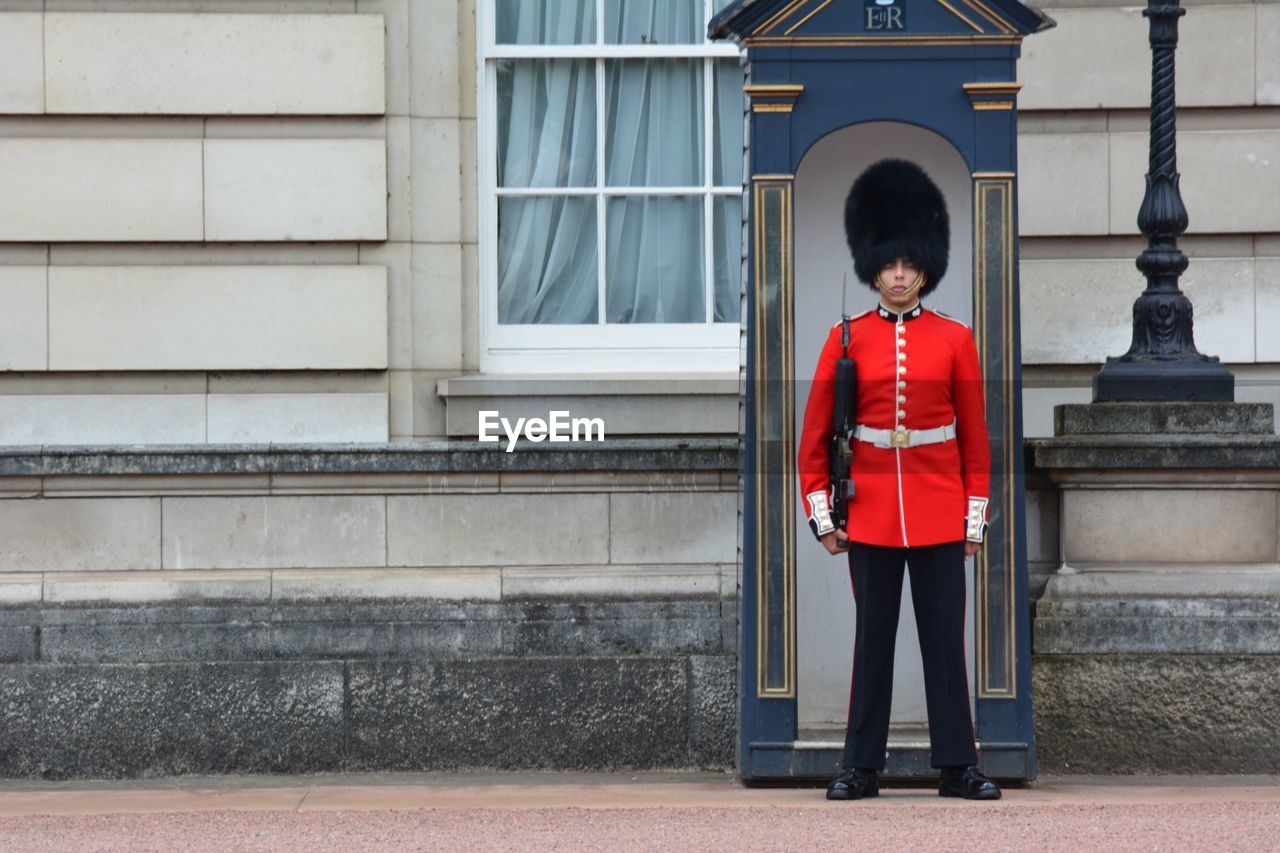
(894, 210)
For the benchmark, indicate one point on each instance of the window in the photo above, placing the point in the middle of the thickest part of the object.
(611, 136)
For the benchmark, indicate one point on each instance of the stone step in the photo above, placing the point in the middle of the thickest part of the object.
(1152, 418)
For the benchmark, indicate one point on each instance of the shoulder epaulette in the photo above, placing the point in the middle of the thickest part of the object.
(947, 317)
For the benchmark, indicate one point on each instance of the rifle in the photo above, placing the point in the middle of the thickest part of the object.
(843, 418)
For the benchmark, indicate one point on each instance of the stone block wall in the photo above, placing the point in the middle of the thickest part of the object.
(413, 607)
(137, 137)
(233, 222)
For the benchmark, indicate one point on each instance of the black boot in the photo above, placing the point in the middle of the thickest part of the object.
(854, 784)
(967, 782)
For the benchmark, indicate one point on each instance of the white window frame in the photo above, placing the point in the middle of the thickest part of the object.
(707, 347)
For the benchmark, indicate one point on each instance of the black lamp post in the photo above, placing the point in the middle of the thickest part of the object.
(1162, 362)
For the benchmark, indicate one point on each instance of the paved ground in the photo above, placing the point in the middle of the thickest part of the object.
(629, 812)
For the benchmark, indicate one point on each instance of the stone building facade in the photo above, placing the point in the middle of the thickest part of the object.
(249, 288)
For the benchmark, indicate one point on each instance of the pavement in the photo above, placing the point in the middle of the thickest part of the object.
(629, 811)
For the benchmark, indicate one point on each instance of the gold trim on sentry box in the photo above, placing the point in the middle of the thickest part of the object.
(953, 10)
(994, 88)
(773, 88)
(777, 18)
(789, 30)
(773, 97)
(781, 187)
(986, 12)
(1001, 184)
(880, 41)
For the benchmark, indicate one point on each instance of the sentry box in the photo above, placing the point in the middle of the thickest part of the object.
(832, 86)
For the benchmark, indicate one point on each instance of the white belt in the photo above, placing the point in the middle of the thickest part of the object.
(903, 437)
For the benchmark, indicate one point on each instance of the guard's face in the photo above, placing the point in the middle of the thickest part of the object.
(899, 283)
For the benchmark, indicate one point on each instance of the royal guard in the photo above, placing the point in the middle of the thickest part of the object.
(919, 475)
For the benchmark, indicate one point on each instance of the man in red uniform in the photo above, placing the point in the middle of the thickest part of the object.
(921, 471)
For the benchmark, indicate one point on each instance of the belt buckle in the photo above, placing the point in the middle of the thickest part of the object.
(899, 438)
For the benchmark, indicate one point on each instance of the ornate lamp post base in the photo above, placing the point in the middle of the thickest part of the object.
(1163, 380)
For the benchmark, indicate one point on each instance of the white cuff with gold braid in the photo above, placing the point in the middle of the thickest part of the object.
(820, 513)
(975, 524)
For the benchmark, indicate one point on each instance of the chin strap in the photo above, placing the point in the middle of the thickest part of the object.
(915, 285)
(975, 524)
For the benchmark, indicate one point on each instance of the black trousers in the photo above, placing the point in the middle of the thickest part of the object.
(938, 596)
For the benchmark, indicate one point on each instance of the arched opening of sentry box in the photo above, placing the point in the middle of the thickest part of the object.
(826, 285)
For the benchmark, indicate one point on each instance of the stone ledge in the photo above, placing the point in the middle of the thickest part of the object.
(614, 582)
(261, 587)
(20, 589)
(155, 587)
(638, 454)
(1113, 581)
(1167, 634)
(404, 630)
(491, 483)
(604, 385)
(628, 405)
(1164, 418)
(1193, 611)
(1156, 452)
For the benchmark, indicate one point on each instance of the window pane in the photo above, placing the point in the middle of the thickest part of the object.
(653, 123)
(653, 22)
(729, 107)
(545, 22)
(546, 123)
(547, 260)
(726, 213)
(654, 251)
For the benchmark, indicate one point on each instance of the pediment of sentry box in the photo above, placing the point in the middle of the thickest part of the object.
(766, 21)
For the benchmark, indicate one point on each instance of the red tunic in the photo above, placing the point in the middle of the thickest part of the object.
(919, 370)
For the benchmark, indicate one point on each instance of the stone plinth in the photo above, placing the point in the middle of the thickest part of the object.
(1155, 641)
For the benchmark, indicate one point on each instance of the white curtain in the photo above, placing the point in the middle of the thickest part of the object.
(727, 249)
(547, 246)
(654, 136)
(654, 256)
(727, 172)
(545, 21)
(653, 21)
